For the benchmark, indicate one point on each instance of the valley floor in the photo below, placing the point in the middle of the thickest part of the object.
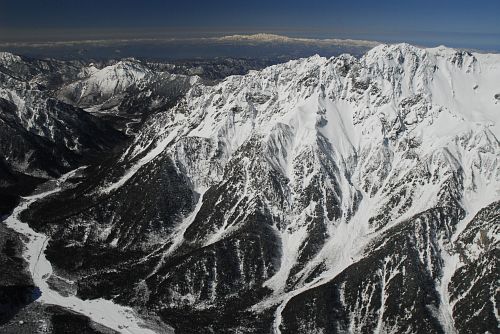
(103, 312)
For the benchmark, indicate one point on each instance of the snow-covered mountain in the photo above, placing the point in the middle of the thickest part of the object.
(337, 195)
(129, 91)
(107, 87)
(42, 137)
(57, 115)
(273, 38)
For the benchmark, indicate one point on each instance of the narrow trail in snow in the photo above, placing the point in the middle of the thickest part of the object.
(104, 312)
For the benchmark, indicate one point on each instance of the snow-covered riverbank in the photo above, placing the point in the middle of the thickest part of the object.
(120, 318)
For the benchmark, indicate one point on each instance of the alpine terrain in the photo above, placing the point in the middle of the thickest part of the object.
(320, 195)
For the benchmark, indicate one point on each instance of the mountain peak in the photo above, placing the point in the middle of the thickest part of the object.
(393, 50)
(264, 37)
(8, 58)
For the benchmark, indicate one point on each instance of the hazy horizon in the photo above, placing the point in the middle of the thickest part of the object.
(163, 47)
(27, 25)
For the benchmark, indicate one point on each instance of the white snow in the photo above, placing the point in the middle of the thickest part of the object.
(473, 201)
(450, 264)
(105, 312)
(153, 153)
(177, 236)
(267, 38)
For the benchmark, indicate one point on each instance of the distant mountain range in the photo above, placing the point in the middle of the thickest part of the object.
(258, 46)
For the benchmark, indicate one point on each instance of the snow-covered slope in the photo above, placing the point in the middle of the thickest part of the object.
(319, 195)
(40, 135)
(127, 91)
(100, 85)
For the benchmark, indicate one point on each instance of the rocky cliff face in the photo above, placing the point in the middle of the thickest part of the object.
(335, 195)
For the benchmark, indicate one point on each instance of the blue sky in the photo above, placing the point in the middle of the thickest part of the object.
(475, 21)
